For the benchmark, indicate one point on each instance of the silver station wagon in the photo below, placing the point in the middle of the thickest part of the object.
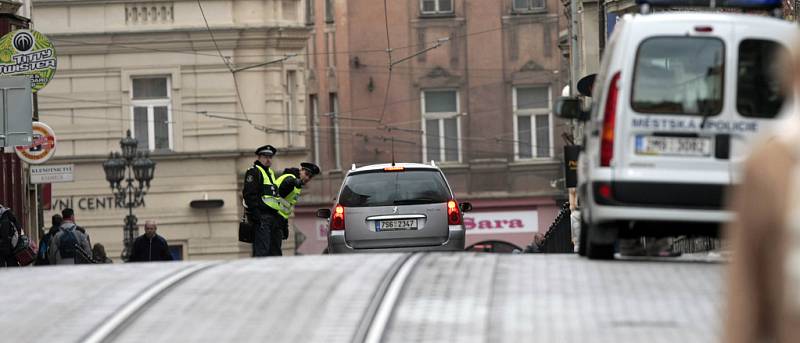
(395, 207)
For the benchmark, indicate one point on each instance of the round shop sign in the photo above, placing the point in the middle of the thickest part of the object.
(30, 53)
(43, 146)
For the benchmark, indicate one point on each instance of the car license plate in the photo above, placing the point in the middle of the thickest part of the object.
(395, 225)
(673, 146)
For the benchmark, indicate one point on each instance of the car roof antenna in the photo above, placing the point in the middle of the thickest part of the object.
(392, 151)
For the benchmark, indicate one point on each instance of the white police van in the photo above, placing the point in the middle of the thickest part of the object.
(677, 101)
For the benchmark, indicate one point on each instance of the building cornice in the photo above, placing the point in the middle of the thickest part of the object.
(51, 3)
(180, 40)
(180, 156)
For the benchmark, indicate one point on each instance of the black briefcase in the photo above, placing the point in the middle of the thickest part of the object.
(246, 231)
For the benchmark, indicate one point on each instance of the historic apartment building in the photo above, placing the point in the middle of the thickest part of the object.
(153, 67)
(472, 87)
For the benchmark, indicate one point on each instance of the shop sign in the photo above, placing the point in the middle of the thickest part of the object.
(501, 222)
(43, 146)
(93, 203)
(52, 173)
(28, 53)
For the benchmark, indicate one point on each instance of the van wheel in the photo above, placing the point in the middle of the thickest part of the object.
(600, 242)
(582, 237)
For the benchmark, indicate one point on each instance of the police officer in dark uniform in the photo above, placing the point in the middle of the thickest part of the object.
(260, 195)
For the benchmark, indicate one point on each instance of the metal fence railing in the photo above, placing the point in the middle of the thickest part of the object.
(558, 237)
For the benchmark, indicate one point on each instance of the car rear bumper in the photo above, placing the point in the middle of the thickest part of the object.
(338, 245)
(601, 214)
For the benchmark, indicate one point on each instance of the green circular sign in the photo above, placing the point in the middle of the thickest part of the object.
(28, 52)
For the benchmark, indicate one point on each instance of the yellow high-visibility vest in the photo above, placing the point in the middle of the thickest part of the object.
(290, 199)
(270, 196)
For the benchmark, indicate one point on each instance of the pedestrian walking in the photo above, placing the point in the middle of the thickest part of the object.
(150, 246)
(42, 258)
(290, 184)
(10, 233)
(99, 254)
(763, 296)
(262, 202)
(71, 213)
(68, 240)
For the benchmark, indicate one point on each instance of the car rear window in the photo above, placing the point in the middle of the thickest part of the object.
(758, 84)
(385, 188)
(679, 75)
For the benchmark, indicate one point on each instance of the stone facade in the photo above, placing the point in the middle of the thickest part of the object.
(153, 67)
(494, 77)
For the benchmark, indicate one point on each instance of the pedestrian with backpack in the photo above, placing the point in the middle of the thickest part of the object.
(43, 258)
(66, 242)
(10, 233)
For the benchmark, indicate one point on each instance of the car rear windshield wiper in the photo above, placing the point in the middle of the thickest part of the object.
(415, 201)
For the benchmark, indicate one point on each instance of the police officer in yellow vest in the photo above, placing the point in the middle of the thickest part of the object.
(294, 179)
(262, 201)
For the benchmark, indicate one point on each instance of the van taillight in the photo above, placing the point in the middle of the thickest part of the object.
(609, 116)
(337, 220)
(453, 213)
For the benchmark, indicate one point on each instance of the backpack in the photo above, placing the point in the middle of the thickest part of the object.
(44, 250)
(67, 244)
(9, 234)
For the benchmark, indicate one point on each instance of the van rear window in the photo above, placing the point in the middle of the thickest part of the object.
(679, 75)
(758, 93)
(390, 188)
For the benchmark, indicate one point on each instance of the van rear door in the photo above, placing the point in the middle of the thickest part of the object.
(758, 99)
(676, 85)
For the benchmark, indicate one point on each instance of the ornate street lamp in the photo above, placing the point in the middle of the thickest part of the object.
(121, 172)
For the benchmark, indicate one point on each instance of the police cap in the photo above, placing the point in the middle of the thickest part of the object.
(266, 150)
(311, 168)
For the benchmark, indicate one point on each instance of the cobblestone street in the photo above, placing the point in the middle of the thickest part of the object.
(460, 297)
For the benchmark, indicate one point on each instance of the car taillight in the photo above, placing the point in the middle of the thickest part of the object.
(609, 116)
(337, 220)
(453, 213)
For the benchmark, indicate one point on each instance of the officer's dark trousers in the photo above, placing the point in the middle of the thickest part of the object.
(276, 240)
(262, 244)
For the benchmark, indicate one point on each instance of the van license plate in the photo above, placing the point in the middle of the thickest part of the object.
(673, 146)
(395, 225)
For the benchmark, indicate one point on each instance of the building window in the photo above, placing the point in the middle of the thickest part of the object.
(334, 113)
(313, 103)
(291, 92)
(428, 7)
(151, 113)
(329, 11)
(441, 126)
(312, 50)
(330, 43)
(523, 6)
(532, 123)
(309, 12)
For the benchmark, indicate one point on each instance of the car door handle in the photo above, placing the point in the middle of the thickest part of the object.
(595, 132)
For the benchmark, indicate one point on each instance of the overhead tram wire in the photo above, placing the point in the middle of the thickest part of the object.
(389, 53)
(233, 72)
(210, 114)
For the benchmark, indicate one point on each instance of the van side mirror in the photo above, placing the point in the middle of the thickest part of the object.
(465, 207)
(324, 213)
(570, 108)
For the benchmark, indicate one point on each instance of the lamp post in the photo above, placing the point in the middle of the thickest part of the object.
(129, 175)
